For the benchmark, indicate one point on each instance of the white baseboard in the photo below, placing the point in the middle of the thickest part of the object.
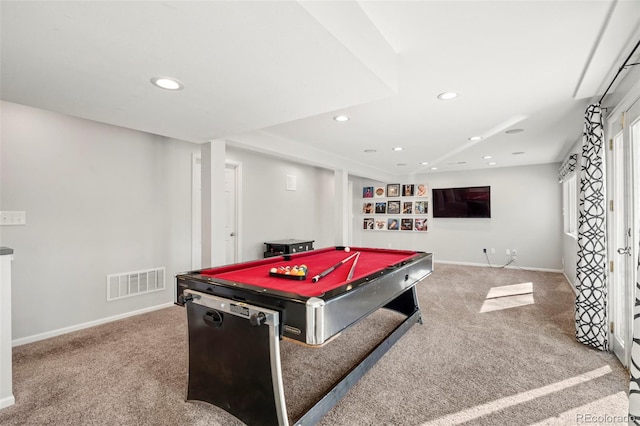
(65, 330)
(484, 265)
(7, 401)
(575, 290)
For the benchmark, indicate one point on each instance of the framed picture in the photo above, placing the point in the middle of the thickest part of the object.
(407, 190)
(367, 192)
(381, 225)
(406, 224)
(367, 223)
(367, 208)
(420, 224)
(381, 207)
(393, 190)
(393, 224)
(422, 190)
(407, 207)
(393, 207)
(421, 207)
(379, 191)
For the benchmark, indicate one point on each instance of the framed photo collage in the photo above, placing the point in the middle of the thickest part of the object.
(395, 207)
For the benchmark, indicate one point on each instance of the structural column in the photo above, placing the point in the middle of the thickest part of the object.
(213, 203)
(342, 213)
(6, 382)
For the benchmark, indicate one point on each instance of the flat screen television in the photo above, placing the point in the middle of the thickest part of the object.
(472, 201)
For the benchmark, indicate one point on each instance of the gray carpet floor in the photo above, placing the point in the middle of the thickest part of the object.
(514, 366)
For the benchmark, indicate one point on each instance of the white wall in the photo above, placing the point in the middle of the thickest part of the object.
(525, 215)
(99, 200)
(270, 212)
(102, 199)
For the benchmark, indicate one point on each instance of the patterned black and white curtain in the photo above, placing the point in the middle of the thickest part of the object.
(591, 282)
(634, 364)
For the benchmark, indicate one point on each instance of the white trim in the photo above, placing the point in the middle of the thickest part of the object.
(573, 286)
(65, 330)
(627, 102)
(7, 402)
(526, 268)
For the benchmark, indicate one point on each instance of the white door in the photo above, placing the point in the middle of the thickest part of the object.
(624, 158)
(232, 212)
(231, 232)
(196, 212)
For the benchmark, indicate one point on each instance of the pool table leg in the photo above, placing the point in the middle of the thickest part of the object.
(314, 413)
(234, 358)
(406, 303)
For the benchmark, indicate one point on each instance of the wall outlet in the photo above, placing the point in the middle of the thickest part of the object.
(493, 251)
(514, 252)
(507, 252)
(484, 250)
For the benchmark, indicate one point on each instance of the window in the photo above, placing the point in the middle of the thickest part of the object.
(570, 206)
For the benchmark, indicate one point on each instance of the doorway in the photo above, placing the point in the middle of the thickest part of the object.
(233, 208)
(231, 229)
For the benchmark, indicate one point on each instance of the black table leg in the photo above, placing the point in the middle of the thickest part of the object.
(234, 359)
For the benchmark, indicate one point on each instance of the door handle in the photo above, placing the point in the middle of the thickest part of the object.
(626, 250)
(233, 234)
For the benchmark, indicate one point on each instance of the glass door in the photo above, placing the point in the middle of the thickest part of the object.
(624, 131)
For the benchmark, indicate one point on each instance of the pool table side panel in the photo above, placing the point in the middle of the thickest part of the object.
(324, 320)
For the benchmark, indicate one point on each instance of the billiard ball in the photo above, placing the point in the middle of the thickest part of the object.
(347, 249)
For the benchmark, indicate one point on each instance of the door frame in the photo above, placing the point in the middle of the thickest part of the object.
(629, 217)
(237, 166)
(196, 209)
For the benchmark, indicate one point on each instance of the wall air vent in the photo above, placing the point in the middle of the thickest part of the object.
(136, 283)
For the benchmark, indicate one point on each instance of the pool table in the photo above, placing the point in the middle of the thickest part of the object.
(238, 313)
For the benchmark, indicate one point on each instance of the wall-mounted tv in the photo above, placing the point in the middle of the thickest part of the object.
(472, 201)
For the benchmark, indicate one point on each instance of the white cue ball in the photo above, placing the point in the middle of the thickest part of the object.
(347, 249)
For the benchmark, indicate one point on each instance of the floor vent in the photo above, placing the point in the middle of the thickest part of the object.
(136, 283)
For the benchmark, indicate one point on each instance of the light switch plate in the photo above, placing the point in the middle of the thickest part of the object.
(13, 218)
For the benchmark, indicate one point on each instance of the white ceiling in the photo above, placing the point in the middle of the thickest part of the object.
(279, 71)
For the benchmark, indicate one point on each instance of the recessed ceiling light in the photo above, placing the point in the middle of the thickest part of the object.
(402, 164)
(434, 168)
(424, 163)
(342, 118)
(487, 157)
(398, 148)
(518, 153)
(447, 96)
(167, 83)
(513, 131)
(475, 138)
(492, 163)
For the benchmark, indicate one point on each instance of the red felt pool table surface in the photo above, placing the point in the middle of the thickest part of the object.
(256, 273)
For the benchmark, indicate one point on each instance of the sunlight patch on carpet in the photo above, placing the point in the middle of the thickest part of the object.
(510, 401)
(508, 296)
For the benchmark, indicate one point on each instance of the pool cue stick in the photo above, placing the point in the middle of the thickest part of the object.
(353, 267)
(333, 268)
